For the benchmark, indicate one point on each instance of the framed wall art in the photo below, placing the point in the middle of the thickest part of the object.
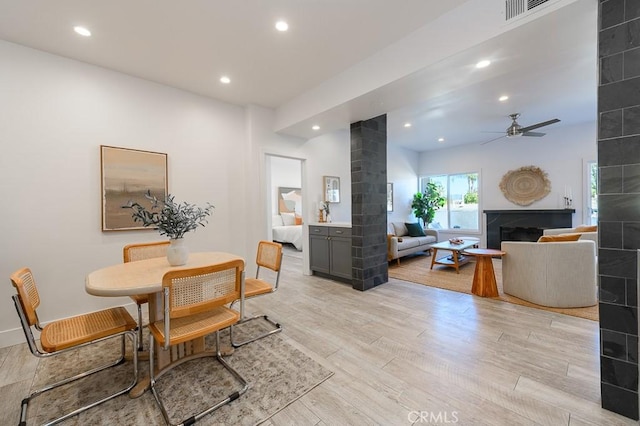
(389, 197)
(331, 186)
(289, 200)
(126, 175)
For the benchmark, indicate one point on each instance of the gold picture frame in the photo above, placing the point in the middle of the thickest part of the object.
(126, 175)
(331, 189)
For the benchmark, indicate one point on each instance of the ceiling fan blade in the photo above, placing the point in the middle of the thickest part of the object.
(537, 134)
(494, 139)
(536, 126)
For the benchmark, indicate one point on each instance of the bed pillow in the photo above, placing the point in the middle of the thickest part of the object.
(414, 230)
(288, 219)
(560, 237)
(276, 220)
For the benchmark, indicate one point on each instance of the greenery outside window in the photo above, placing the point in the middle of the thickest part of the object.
(592, 191)
(461, 211)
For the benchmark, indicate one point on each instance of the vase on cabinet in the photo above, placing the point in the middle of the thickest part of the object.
(177, 252)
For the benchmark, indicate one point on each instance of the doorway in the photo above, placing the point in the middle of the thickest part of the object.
(284, 203)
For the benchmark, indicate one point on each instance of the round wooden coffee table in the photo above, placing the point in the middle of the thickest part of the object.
(484, 277)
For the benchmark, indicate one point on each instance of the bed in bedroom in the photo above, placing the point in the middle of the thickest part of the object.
(286, 229)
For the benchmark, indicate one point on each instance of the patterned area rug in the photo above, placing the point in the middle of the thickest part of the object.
(277, 373)
(417, 269)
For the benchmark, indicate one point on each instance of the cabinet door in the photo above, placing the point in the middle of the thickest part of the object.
(341, 257)
(319, 253)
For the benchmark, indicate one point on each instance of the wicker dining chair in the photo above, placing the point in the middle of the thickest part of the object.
(269, 256)
(194, 302)
(62, 336)
(142, 251)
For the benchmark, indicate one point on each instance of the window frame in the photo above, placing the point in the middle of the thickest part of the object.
(448, 229)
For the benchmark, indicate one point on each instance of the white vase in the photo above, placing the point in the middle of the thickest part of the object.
(177, 252)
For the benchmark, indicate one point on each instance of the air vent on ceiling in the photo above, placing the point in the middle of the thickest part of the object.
(514, 8)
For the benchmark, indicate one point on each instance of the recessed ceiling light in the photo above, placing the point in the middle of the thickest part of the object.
(225, 80)
(503, 98)
(282, 26)
(315, 127)
(440, 139)
(407, 124)
(82, 31)
(484, 63)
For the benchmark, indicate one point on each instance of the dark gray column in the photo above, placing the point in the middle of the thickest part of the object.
(619, 202)
(369, 203)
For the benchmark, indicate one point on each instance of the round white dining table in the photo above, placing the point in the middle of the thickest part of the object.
(145, 276)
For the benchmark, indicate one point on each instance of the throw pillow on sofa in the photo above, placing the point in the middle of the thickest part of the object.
(560, 237)
(587, 228)
(400, 230)
(415, 230)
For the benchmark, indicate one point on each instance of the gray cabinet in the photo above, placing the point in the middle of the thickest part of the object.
(330, 251)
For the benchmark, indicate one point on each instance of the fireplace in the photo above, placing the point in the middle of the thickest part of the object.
(519, 233)
(523, 225)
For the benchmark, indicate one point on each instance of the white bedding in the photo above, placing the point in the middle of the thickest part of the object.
(288, 234)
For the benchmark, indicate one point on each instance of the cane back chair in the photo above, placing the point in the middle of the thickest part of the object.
(68, 334)
(194, 302)
(269, 256)
(142, 251)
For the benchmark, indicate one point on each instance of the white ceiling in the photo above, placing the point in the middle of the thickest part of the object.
(547, 66)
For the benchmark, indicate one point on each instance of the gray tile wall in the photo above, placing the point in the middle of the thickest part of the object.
(619, 202)
(369, 203)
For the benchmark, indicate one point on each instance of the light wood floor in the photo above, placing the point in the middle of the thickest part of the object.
(401, 351)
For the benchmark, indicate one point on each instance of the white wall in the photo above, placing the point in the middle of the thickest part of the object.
(332, 157)
(54, 115)
(562, 154)
(402, 171)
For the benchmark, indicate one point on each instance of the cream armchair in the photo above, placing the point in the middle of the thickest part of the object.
(554, 274)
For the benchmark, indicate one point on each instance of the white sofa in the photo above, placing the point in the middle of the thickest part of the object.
(399, 243)
(554, 274)
(593, 236)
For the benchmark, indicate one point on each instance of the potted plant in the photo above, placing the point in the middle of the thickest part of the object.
(426, 203)
(172, 219)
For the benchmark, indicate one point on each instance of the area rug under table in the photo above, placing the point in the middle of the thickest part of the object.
(416, 269)
(278, 374)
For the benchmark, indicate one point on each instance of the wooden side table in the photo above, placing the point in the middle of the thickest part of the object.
(484, 277)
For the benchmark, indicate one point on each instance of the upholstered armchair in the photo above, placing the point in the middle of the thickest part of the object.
(554, 274)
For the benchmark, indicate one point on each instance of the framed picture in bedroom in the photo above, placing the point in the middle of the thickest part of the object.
(289, 200)
(126, 175)
(331, 185)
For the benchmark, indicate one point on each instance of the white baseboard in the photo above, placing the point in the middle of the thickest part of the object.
(11, 337)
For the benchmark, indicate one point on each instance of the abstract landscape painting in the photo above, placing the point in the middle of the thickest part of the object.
(127, 175)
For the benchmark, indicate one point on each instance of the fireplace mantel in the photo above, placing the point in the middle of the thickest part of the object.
(549, 218)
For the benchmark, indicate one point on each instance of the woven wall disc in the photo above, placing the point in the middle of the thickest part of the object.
(525, 185)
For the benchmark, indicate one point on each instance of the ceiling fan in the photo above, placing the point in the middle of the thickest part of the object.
(517, 130)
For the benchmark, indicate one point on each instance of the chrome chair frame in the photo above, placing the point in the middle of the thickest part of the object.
(277, 325)
(127, 257)
(33, 347)
(217, 354)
